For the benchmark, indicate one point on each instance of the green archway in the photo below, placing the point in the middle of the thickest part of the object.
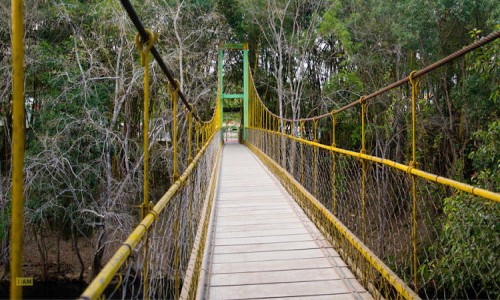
(244, 48)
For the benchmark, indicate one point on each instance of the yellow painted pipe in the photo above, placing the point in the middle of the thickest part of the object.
(145, 134)
(190, 136)
(173, 96)
(363, 172)
(334, 168)
(18, 140)
(405, 168)
(413, 163)
(99, 284)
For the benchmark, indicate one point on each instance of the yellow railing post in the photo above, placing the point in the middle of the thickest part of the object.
(190, 136)
(256, 110)
(271, 134)
(413, 164)
(277, 140)
(177, 259)
(283, 141)
(203, 134)
(302, 130)
(273, 140)
(315, 163)
(263, 132)
(261, 121)
(18, 141)
(334, 168)
(251, 109)
(173, 91)
(266, 128)
(259, 126)
(197, 137)
(292, 150)
(189, 113)
(363, 170)
(144, 47)
(273, 137)
(266, 135)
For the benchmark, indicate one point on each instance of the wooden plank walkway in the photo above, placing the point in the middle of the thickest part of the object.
(264, 246)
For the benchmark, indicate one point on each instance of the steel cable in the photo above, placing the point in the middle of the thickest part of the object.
(144, 35)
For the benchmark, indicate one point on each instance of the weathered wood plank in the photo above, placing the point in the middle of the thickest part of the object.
(264, 246)
(274, 277)
(289, 289)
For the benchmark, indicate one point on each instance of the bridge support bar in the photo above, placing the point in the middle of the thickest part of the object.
(18, 140)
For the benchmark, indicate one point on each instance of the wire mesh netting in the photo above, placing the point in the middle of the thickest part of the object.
(404, 232)
(383, 220)
(172, 238)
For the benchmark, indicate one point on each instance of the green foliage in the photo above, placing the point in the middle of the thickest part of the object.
(485, 63)
(232, 104)
(346, 84)
(332, 25)
(234, 16)
(486, 159)
(467, 250)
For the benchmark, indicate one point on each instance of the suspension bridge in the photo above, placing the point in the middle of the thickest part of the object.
(283, 212)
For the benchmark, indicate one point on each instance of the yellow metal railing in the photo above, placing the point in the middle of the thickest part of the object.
(384, 216)
(157, 257)
(177, 223)
(168, 243)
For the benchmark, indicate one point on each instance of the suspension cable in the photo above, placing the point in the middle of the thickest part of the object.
(144, 36)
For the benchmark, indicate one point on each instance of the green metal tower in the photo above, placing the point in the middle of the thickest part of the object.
(243, 47)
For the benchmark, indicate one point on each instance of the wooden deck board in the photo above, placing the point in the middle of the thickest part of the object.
(288, 289)
(274, 277)
(264, 246)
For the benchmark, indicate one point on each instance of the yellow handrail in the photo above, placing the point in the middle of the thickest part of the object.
(205, 131)
(102, 280)
(300, 175)
(473, 190)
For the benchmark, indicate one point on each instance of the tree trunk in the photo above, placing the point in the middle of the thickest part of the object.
(99, 253)
(77, 251)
